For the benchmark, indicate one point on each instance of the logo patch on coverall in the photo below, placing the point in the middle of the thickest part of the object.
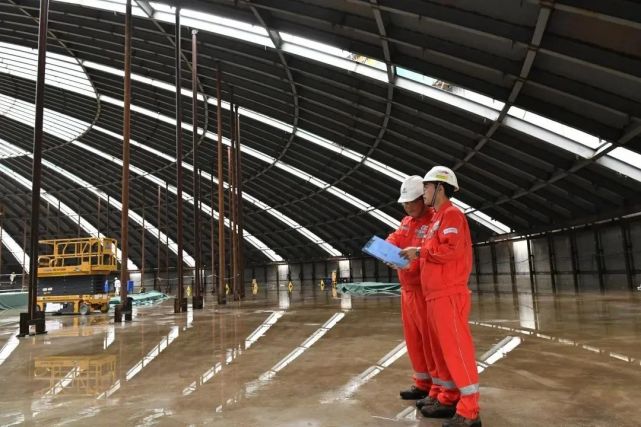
(434, 229)
(450, 230)
(421, 232)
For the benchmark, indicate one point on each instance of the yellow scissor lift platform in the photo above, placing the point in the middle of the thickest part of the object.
(72, 272)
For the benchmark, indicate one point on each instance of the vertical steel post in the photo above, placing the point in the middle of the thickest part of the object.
(142, 247)
(477, 267)
(124, 217)
(98, 215)
(1, 231)
(24, 255)
(179, 304)
(575, 261)
(627, 253)
(510, 248)
(495, 268)
(222, 298)
(552, 260)
(231, 155)
(167, 236)
(239, 210)
(159, 245)
(108, 214)
(232, 222)
(197, 299)
(29, 318)
(212, 237)
(530, 259)
(600, 265)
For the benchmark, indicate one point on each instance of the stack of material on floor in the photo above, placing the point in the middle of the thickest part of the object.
(370, 288)
(142, 298)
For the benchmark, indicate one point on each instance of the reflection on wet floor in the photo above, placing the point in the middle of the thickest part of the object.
(309, 357)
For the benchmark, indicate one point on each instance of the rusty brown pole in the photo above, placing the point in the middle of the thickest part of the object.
(232, 223)
(1, 231)
(142, 247)
(167, 233)
(108, 215)
(178, 304)
(24, 255)
(158, 256)
(222, 298)
(239, 213)
(232, 198)
(212, 237)
(124, 217)
(197, 300)
(29, 318)
(97, 214)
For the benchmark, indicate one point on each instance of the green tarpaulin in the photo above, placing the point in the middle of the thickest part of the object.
(10, 300)
(144, 298)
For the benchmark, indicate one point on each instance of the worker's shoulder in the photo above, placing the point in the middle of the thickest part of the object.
(406, 220)
(453, 212)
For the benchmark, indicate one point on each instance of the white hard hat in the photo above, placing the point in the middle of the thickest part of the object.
(411, 189)
(443, 174)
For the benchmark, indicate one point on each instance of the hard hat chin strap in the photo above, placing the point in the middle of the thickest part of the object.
(433, 201)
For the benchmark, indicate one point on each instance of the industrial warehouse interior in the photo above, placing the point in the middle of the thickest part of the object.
(189, 189)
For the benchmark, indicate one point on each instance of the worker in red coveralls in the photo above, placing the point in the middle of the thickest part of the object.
(445, 264)
(411, 232)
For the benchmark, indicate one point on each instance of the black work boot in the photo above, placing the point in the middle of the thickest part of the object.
(438, 410)
(460, 421)
(414, 393)
(426, 401)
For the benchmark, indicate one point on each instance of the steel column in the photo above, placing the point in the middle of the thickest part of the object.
(477, 267)
(212, 237)
(552, 260)
(530, 258)
(31, 318)
(575, 261)
(222, 298)
(124, 213)
(627, 253)
(197, 300)
(239, 209)
(179, 303)
(231, 160)
(599, 259)
(495, 272)
(159, 245)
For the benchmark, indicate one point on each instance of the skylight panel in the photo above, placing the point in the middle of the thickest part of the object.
(214, 24)
(110, 5)
(62, 71)
(565, 131)
(549, 136)
(455, 100)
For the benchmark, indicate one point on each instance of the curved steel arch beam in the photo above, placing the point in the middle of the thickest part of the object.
(277, 41)
(537, 34)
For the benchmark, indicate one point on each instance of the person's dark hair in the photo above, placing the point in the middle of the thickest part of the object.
(449, 189)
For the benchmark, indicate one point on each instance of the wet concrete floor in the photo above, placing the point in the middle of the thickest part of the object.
(314, 359)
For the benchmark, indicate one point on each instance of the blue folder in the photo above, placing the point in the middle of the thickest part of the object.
(385, 251)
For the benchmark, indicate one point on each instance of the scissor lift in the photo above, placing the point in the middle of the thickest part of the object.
(73, 272)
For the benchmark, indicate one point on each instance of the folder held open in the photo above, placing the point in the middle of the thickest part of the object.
(385, 251)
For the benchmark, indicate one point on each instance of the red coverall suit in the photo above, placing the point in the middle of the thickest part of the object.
(413, 311)
(446, 263)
